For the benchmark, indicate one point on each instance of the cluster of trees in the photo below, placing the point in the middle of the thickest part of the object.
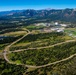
(63, 68)
(10, 30)
(9, 39)
(7, 26)
(2, 46)
(44, 56)
(40, 36)
(6, 41)
(9, 69)
(44, 39)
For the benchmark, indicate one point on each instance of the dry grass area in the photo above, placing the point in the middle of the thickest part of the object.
(14, 33)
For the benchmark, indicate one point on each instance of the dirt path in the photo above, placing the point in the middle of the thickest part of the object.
(6, 51)
(70, 57)
(42, 47)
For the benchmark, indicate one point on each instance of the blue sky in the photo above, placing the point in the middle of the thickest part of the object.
(36, 4)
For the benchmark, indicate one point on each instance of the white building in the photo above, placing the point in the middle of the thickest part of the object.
(63, 25)
(60, 30)
(56, 23)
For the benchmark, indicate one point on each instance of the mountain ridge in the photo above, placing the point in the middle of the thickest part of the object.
(52, 14)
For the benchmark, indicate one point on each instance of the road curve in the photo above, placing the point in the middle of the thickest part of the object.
(42, 47)
(70, 57)
(6, 50)
(10, 62)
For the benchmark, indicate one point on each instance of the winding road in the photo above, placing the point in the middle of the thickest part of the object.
(42, 47)
(6, 51)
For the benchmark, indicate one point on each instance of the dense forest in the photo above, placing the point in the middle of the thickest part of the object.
(44, 56)
(9, 69)
(64, 68)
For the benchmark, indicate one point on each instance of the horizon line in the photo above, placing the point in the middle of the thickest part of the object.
(37, 9)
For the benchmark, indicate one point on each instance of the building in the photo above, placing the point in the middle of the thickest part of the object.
(63, 25)
(60, 30)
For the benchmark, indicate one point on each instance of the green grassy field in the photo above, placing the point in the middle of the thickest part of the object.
(33, 27)
(71, 31)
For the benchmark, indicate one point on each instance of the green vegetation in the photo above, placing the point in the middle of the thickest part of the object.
(33, 27)
(10, 35)
(9, 39)
(14, 27)
(71, 31)
(9, 69)
(11, 30)
(64, 68)
(44, 56)
(6, 41)
(40, 40)
(2, 46)
(36, 37)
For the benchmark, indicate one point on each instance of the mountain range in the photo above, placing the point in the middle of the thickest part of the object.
(52, 14)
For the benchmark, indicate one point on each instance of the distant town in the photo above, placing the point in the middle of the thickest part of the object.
(52, 27)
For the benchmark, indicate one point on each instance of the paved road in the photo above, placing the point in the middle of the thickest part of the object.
(6, 51)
